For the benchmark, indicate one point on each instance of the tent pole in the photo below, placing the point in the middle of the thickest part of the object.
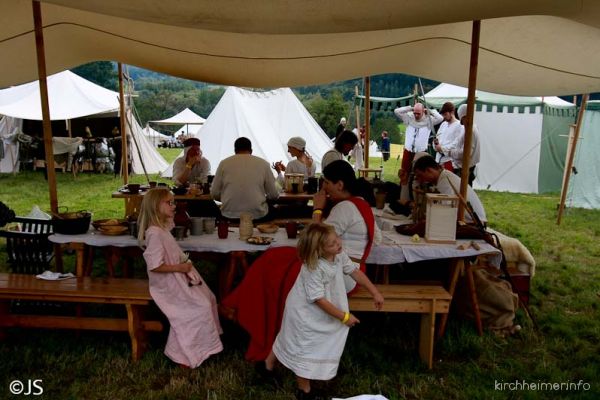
(41, 64)
(570, 158)
(367, 121)
(357, 108)
(464, 179)
(124, 158)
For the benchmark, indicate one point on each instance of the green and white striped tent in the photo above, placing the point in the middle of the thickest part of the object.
(523, 139)
(584, 184)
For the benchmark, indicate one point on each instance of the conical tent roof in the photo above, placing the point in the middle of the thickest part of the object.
(70, 96)
(268, 119)
(186, 116)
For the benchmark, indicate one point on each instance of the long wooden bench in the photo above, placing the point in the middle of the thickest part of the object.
(423, 299)
(133, 293)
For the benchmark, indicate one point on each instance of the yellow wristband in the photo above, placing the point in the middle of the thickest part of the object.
(346, 317)
(317, 211)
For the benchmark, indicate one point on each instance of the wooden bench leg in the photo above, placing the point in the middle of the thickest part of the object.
(136, 331)
(4, 308)
(427, 335)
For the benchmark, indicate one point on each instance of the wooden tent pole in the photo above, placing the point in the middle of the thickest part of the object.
(466, 160)
(356, 109)
(367, 121)
(124, 158)
(41, 64)
(570, 158)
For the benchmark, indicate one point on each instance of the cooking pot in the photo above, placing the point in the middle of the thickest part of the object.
(71, 223)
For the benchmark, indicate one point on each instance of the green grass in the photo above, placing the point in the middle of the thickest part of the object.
(380, 356)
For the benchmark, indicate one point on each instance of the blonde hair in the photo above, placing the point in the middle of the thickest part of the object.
(311, 243)
(150, 212)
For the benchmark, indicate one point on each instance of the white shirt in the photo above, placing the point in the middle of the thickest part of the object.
(447, 134)
(444, 187)
(456, 148)
(417, 132)
(297, 167)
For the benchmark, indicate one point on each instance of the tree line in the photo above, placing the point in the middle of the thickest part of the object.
(160, 96)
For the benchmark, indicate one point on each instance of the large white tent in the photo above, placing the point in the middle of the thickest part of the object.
(538, 47)
(268, 119)
(523, 139)
(70, 97)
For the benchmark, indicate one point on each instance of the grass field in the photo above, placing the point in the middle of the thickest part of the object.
(380, 355)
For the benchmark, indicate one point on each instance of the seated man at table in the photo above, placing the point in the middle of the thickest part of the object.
(192, 167)
(243, 183)
(426, 169)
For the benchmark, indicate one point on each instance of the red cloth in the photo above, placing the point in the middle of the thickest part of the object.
(259, 300)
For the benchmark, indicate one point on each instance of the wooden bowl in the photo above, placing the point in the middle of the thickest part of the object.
(113, 230)
(267, 228)
(99, 223)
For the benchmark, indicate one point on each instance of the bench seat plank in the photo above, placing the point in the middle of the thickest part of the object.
(428, 300)
(133, 293)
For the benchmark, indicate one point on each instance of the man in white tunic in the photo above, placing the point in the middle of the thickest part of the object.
(419, 124)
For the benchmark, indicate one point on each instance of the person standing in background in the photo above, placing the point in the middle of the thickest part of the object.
(455, 150)
(385, 145)
(419, 123)
(448, 131)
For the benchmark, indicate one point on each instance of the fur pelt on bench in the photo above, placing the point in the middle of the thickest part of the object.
(516, 253)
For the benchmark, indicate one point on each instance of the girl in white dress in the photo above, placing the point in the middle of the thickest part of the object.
(316, 317)
(176, 286)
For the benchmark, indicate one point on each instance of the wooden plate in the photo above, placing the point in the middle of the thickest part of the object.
(260, 240)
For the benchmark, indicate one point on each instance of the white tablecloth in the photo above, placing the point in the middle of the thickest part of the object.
(395, 248)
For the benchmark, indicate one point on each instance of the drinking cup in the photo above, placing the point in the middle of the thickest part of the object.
(133, 228)
(179, 232)
(380, 200)
(291, 228)
(152, 184)
(223, 229)
(197, 226)
(209, 225)
(294, 188)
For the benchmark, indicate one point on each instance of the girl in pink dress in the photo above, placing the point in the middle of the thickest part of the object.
(176, 286)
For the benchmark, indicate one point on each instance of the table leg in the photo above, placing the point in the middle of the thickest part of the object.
(473, 296)
(227, 274)
(456, 265)
(136, 331)
(79, 258)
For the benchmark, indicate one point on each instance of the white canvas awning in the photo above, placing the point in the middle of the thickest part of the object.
(70, 96)
(538, 47)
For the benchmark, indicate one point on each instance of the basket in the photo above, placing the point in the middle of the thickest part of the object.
(72, 223)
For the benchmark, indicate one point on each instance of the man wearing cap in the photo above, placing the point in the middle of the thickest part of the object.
(455, 150)
(192, 166)
(243, 183)
(303, 164)
(419, 124)
(447, 133)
